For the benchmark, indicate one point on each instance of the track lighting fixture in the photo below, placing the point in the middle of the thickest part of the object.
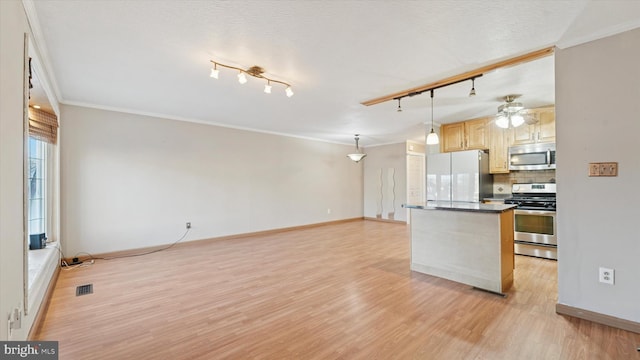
(432, 138)
(473, 87)
(357, 156)
(255, 71)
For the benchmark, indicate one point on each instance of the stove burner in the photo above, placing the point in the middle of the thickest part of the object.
(534, 196)
(533, 202)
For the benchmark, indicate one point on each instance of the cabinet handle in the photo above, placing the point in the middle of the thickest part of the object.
(461, 144)
(538, 135)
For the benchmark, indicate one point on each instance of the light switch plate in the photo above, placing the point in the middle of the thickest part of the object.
(603, 169)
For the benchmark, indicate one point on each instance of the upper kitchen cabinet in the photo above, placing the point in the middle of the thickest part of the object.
(499, 149)
(541, 128)
(465, 135)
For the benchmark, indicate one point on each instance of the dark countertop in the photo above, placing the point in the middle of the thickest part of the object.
(498, 197)
(461, 206)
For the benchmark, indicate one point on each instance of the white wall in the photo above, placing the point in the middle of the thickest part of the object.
(131, 181)
(13, 26)
(597, 110)
(385, 181)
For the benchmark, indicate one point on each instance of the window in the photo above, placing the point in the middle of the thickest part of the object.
(37, 203)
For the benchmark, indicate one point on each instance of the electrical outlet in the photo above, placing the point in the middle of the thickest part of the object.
(14, 321)
(17, 319)
(188, 225)
(607, 275)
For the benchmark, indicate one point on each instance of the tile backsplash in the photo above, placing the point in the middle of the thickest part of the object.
(502, 182)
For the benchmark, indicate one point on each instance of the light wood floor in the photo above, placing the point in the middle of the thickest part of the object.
(341, 291)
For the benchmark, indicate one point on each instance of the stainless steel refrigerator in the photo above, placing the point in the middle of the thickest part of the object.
(459, 176)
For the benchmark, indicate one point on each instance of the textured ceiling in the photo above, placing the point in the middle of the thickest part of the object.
(152, 57)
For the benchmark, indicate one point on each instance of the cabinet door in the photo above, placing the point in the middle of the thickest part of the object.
(542, 130)
(523, 134)
(476, 132)
(452, 137)
(498, 150)
(546, 126)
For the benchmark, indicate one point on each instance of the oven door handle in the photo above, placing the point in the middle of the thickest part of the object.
(533, 212)
(549, 157)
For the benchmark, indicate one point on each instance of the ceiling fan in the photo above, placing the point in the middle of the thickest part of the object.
(513, 114)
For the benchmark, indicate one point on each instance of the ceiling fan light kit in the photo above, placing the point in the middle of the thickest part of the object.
(255, 71)
(509, 113)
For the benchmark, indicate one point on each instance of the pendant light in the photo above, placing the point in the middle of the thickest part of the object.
(432, 138)
(399, 107)
(357, 156)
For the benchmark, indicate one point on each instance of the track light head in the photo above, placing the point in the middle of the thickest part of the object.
(214, 71)
(473, 87)
(242, 78)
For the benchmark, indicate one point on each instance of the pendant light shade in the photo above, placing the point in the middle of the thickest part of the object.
(502, 121)
(432, 138)
(357, 156)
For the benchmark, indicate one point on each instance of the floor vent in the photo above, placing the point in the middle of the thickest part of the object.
(84, 289)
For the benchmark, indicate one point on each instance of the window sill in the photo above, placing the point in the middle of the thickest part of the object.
(40, 262)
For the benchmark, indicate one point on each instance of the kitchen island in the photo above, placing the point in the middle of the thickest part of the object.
(471, 243)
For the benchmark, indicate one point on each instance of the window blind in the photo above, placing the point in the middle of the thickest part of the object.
(43, 126)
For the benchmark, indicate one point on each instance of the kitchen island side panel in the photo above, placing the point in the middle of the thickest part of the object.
(467, 247)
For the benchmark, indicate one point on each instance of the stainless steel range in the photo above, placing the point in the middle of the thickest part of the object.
(535, 219)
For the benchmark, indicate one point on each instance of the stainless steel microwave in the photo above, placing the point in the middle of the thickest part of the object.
(532, 157)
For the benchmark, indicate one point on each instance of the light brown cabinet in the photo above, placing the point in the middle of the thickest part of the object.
(499, 149)
(542, 130)
(483, 134)
(466, 135)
